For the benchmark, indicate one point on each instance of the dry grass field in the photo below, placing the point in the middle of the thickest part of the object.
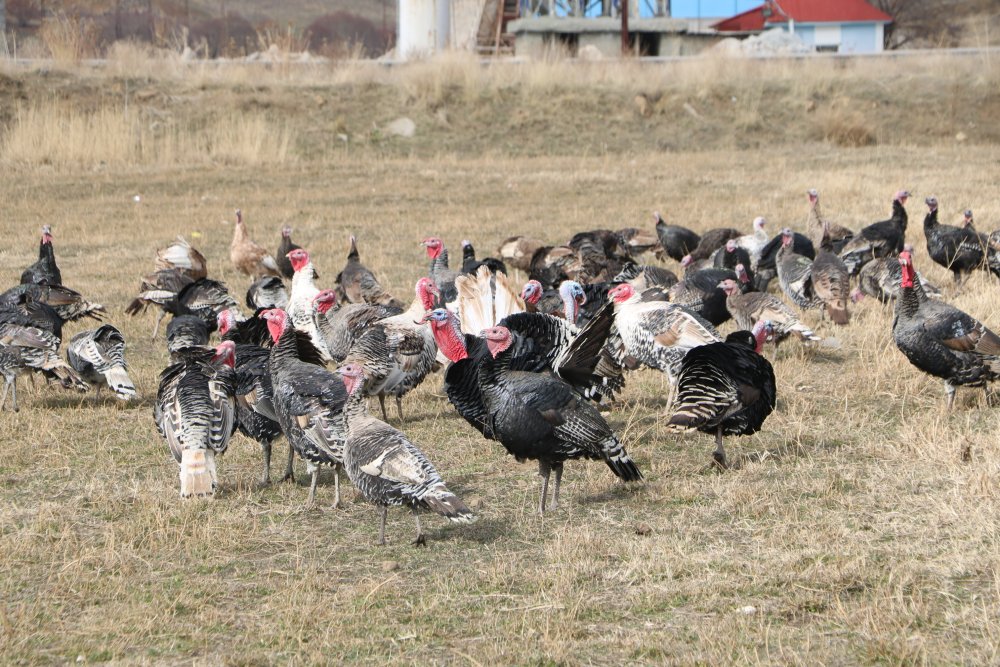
(860, 526)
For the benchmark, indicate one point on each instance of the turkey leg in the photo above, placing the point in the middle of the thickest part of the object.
(558, 468)
(949, 393)
(399, 408)
(381, 404)
(312, 486)
(336, 485)
(719, 454)
(6, 387)
(159, 318)
(265, 477)
(289, 467)
(421, 541)
(544, 470)
(381, 526)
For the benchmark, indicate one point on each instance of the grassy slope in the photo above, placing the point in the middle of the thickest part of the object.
(850, 531)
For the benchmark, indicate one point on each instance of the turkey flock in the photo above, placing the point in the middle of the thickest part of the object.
(532, 346)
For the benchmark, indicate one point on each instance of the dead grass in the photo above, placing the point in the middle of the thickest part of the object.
(850, 531)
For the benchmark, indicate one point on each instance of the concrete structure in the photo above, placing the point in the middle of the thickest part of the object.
(844, 26)
(534, 37)
(422, 27)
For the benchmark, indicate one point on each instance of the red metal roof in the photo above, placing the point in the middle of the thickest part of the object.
(803, 11)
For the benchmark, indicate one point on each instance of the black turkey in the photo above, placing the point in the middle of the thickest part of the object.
(880, 239)
(98, 355)
(940, 339)
(726, 388)
(44, 271)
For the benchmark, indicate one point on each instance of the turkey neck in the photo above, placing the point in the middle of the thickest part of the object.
(355, 408)
(899, 215)
(285, 349)
(440, 263)
(931, 222)
(239, 233)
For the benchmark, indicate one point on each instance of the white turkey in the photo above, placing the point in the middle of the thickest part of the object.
(300, 300)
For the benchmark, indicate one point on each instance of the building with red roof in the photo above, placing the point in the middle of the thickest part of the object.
(846, 26)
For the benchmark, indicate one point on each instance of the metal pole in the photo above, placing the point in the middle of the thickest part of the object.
(625, 49)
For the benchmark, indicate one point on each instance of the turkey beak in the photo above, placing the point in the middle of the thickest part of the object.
(424, 320)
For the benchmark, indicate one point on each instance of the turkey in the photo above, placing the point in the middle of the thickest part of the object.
(941, 340)
(700, 293)
(711, 241)
(643, 276)
(255, 412)
(340, 327)
(754, 243)
(186, 331)
(879, 239)
(248, 257)
(657, 334)
(552, 265)
(26, 312)
(358, 284)
(567, 302)
(68, 304)
(24, 349)
(635, 242)
(517, 251)
(44, 271)
(961, 250)
(484, 299)
(98, 355)
(675, 240)
(767, 269)
(204, 298)
(281, 257)
(541, 343)
(539, 416)
(308, 399)
(880, 278)
(195, 412)
(300, 301)
(267, 292)
(387, 468)
(440, 273)
(732, 254)
(825, 235)
(599, 256)
(470, 264)
(182, 257)
(410, 361)
(820, 283)
(159, 289)
(726, 388)
(752, 307)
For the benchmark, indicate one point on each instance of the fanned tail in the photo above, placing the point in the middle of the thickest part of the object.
(803, 332)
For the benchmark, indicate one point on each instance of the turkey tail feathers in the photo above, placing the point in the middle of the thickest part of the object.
(448, 505)
(619, 461)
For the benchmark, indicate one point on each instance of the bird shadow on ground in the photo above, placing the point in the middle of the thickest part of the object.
(483, 531)
(779, 453)
(614, 492)
(84, 400)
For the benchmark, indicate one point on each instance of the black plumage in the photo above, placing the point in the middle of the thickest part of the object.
(700, 293)
(204, 298)
(186, 331)
(961, 250)
(880, 239)
(28, 349)
(69, 304)
(470, 264)
(44, 271)
(767, 269)
(676, 241)
(285, 246)
(541, 417)
(726, 388)
(940, 339)
(26, 312)
(308, 399)
(730, 255)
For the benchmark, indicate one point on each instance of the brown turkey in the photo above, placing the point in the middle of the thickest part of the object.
(750, 308)
(517, 251)
(247, 256)
(820, 283)
(824, 234)
(357, 284)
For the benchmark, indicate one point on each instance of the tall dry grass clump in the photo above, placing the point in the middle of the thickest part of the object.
(70, 38)
(116, 137)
